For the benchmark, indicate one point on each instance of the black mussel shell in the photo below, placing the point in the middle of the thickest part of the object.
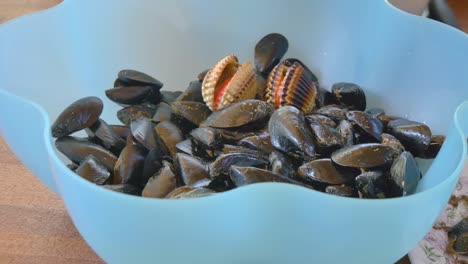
(324, 171)
(260, 142)
(225, 161)
(161, 183)
(434, 147)
(106, 135)
(193, 112)
(169, 97)
(77, 149)
(136, 77)
(77, 116)
(163, 112)
(341, 190)
(169, 135)
(129, 166)
(93, 171)
(124, 188)
(192, 93)
(131, 113)
(369, 155)
(334, 112)
(346, 130)
(249, 175)
(415, 136)
(404, 175)
(281, 164)
(321, 119)
(349, 95)
(371, 184)
(327, 139)
(366, 125)
(269, 51)
(190, 169)
(393, 142)
(153, 163)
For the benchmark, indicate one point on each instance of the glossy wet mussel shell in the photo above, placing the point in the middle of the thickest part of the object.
(106, 135)
(404, 175)
(161, 183)
(169, 135)
(93, 171)
(129, 166)
(248, 175)
(131, 113)
(368, 155)
(137, 77)
(77, 149)
(193, 112)
(367, 125)
(325, 171)
(349, 95)
(269, 51)
(225, 161)
(371, 184)
(290, 134)
(190, 169)
(79, 115)
(415, 136)
(239, 114)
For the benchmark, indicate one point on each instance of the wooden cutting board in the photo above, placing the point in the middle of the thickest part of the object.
(34, 225)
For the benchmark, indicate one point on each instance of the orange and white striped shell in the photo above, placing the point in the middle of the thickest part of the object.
(228, 82)
(290, 83)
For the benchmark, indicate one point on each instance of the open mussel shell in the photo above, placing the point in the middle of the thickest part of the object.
(404, 175)
(458, 238)
(93, 171)
(415, 136)
(249, 175)
(289, 133)
(434, 146)
(349, 95)
(153, 163)
(369, 155)
(124, 188)
(161, 183)
(162, 113)
(185, 193)
(239, 114)
(261, 142)
(341, 190)
(77, 149)
(371, 184)
(228, 82)
(324, 171)
(393, 142)
(368, 126)
(131, 113)
(170, 135)
(333, 112)
(290, 84)
(327, 139)
(281, 164)
(193, 112)
(77, 116)
(106, 135)
(129, 95)
(269, 51)
(346, 130)
(129, 166)
(144, 133)
(225, 161)
(190, 169)
(192, 93)
(137, 77)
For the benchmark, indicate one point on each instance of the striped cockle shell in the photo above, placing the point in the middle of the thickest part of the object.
(289, 83)
(228, 82)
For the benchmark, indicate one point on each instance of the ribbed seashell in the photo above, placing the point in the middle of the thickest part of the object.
(289, 83)
(228, 82)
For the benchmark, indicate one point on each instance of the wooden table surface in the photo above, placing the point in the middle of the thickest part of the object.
(34, 225)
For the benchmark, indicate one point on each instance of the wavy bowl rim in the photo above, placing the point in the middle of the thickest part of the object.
(62, 169)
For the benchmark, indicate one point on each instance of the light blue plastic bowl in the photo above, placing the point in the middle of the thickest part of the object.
(408, 65)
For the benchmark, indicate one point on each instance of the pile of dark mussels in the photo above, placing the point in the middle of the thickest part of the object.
(243, 123)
